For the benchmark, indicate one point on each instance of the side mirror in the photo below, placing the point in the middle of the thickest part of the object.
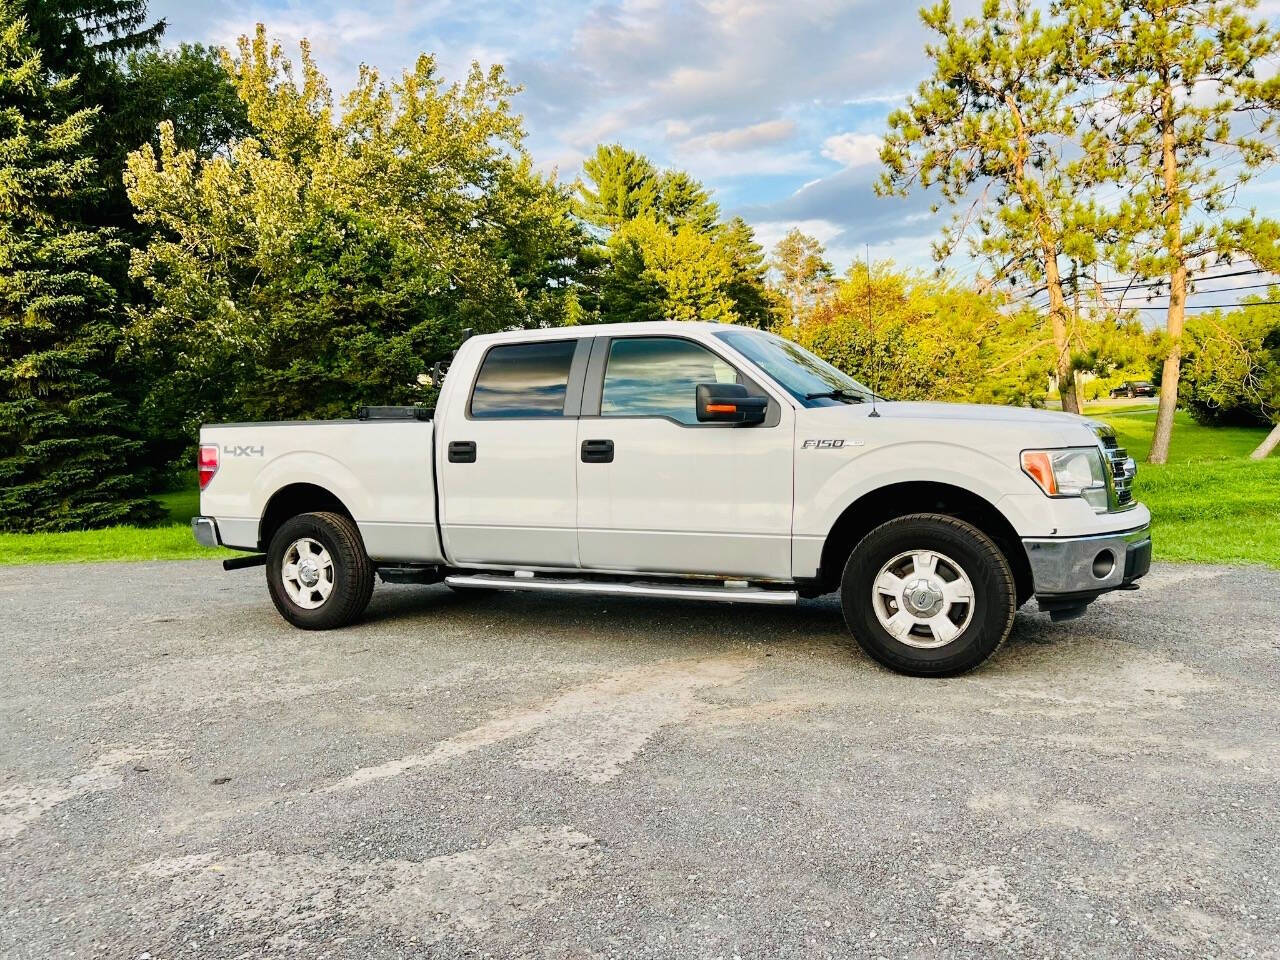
(729, 403)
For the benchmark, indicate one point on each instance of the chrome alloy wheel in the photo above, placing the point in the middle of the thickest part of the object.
(923, 599)
(307, 573)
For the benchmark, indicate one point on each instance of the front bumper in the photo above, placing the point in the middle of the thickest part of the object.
(205, 530)
(1071, 571)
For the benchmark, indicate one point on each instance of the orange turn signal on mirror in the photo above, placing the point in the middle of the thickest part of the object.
(722, 408)
(1038, 467)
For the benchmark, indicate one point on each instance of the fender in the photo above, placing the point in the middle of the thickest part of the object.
(319, 469)
(825, 489)
(820, 499)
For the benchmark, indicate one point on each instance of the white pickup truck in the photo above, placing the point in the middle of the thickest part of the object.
(686, 460)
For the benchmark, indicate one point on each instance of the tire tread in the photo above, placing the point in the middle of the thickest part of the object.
(352, 597)
(989, 552)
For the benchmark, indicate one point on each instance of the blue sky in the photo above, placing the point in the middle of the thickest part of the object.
(776, 105)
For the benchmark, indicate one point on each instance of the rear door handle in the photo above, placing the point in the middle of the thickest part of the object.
(462, 451)
(597, 451)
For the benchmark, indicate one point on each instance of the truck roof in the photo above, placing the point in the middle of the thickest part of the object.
(607, 329)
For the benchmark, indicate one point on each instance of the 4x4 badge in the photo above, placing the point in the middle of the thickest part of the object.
(243, 450)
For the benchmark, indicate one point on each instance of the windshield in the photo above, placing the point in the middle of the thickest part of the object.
(813, 382)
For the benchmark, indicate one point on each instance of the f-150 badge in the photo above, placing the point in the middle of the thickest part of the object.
(830, 444)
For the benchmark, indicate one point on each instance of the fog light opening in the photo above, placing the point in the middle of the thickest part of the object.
(1104, 564)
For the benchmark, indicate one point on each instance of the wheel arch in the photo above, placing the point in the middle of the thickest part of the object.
(922, 496)
(293, 499)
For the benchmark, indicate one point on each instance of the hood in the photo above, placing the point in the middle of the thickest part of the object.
(919, 410)
(1050, 427)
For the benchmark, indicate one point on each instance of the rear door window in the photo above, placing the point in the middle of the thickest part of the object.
(523, 380)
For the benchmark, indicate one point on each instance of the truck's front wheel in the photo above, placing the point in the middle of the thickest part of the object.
(928, 594)
(317, 571)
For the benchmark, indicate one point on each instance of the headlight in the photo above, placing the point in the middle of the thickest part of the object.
(1071, 472)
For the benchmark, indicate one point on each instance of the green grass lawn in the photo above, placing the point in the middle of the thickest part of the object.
(1211, 504)
(170, 539)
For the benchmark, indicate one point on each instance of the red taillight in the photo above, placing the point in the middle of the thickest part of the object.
(207, 463)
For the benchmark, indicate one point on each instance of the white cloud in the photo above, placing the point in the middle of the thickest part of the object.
(769, 232)
(875, 98)
(716, 165)
(853, 149)
(744, 138)
(678, 130)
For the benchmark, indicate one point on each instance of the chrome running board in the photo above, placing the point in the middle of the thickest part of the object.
(666, 591)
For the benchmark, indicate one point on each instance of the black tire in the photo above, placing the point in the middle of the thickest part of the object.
(352, 571)
(994, 597)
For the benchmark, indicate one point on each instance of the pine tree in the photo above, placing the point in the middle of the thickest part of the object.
(993, 128)
(77, 36)
(754, 302)
(623, 185)
(1192, 104)
(683, 200)
(86, 42)
(69, 454)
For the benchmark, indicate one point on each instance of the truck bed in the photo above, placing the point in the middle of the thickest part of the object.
(381, 470)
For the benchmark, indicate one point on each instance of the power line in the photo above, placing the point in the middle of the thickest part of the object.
(1089, 290)
(1197, 293)
(1121, 305)
(1211, 306)
(1111, 288)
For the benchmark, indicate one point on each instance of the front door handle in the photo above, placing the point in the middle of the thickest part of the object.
(462, 451)
(597, 451)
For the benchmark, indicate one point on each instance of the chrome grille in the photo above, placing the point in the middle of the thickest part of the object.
(1121, 469)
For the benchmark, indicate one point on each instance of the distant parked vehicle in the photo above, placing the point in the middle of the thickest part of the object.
(1133, 390)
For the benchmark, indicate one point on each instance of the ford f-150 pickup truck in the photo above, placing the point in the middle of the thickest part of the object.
(686, 460)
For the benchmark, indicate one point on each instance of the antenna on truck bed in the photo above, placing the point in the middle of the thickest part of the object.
(871, 326)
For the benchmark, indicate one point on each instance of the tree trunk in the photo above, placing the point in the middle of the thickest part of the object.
(1177, 286)
(1061, 344)
(1267, 445)
(1172, 366)
(1049, 246)
(1168, 395)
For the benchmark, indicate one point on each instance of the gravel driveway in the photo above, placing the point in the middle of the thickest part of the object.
(182, 775)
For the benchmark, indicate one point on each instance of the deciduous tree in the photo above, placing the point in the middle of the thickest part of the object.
(328, 259)
(804, 275)
(189, 87)
(917, 337)
(1231, 367)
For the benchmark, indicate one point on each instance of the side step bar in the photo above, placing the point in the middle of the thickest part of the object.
(671, 591)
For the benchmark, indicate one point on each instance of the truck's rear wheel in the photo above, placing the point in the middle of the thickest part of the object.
(928, 595)
(317, 571)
